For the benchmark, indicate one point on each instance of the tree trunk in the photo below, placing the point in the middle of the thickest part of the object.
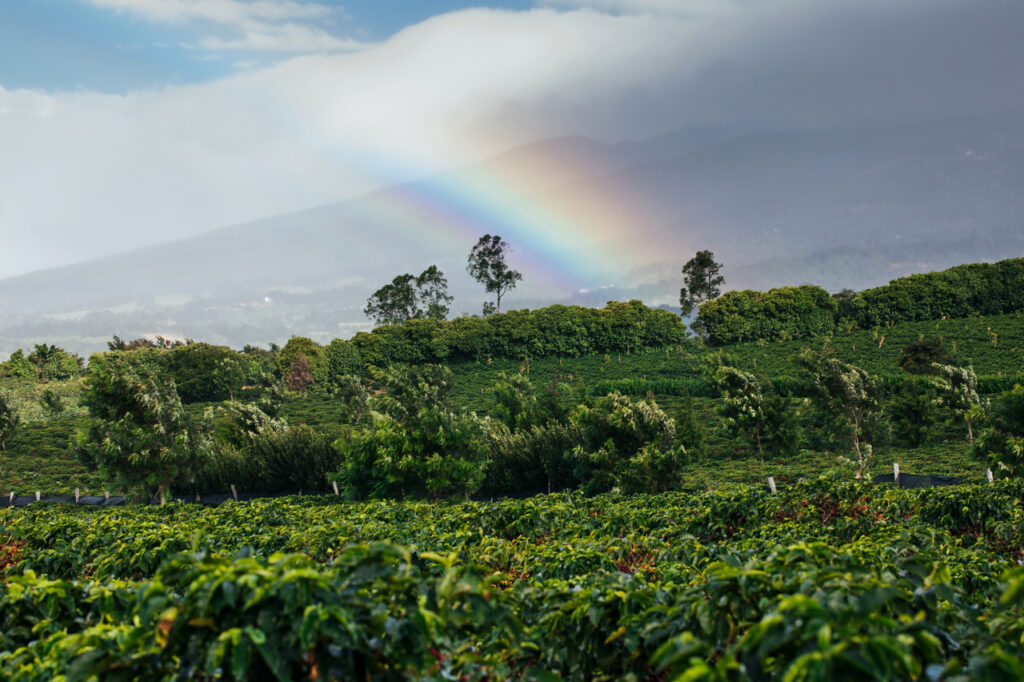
(760, 450)
(498, 307)
(970, 431)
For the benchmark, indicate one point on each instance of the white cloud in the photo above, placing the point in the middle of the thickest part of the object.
(84, 174)
(674, 8)
(283, 38)
(229, 12)
(258, 25)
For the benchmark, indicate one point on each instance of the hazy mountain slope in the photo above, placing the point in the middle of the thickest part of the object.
(848, 208)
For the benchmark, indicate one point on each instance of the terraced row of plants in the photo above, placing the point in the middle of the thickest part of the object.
(819, 581)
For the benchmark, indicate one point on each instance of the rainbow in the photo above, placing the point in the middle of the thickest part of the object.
(562, 234)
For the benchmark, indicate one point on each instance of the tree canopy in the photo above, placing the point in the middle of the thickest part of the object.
(487, 265)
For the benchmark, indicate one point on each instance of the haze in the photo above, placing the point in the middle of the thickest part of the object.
(662, 127)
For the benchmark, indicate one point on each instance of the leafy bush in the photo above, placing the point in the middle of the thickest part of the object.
(626, 445)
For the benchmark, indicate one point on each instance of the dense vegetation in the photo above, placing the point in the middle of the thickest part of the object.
(642, 562)
(808, 311)
(820, 581)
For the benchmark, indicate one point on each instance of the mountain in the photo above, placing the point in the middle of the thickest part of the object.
(588, 222)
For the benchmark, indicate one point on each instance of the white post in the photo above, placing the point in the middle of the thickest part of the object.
(988, 474)
(771, 484)
(234, 493)
(37, 496)
(896, 472)
(335, 484)
(12, 498)
(106, 496)
(76, 495)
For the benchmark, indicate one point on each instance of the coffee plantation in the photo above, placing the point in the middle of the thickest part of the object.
(822, 580)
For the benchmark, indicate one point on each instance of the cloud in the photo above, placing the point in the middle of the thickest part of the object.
(228, 12)
(259, 25)
(674, 8)
(84, 174)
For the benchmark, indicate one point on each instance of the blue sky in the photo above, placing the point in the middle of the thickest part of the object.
(77, 45)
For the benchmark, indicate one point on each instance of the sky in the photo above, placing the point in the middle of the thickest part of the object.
(125, 123)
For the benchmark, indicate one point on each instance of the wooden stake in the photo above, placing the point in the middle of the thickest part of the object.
(771, 484)
(234, 493)
(76, 495)
(12, 498)
(896, 472)
(988, 474)
(106, 496)
(335, 485)
(37, 496)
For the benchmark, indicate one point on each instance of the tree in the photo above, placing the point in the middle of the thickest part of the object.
(432, 296)
(52, 362)
(299, 376)
(913, 412)
(1002, 444)
(414, 444)
(626, 444)
(923, 356)
(141, 434)
(393, 303)
(487, 265)
(958, 392)
(410, 298)
(701, 281)
(848, 393)
(9, 417)
(517, 405)
(743, 404)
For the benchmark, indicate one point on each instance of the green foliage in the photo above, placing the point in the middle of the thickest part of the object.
(9, 417)
(851, 395)
(921, 356)
(517, 403)
(53, 363)
(409, 298)
(299, 345)
(961, 291)
(775, 315)
(140, 434)
(414, 445)
(914, 413)
(486, 264)
(958, 393)
(17, 365)
(701, 281)
(531, 460)
(1002, 444)
(555, 331)
(203, 372)
(818, 581)
(626, 445)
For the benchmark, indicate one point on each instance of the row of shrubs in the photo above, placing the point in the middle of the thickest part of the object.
(807, 311)
(554, 331)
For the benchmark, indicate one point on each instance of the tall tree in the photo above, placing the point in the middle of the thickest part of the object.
(701, 281)
(487, 265)
(409, 297)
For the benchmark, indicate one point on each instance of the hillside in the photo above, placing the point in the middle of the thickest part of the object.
(842, 209)
(38, 456)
